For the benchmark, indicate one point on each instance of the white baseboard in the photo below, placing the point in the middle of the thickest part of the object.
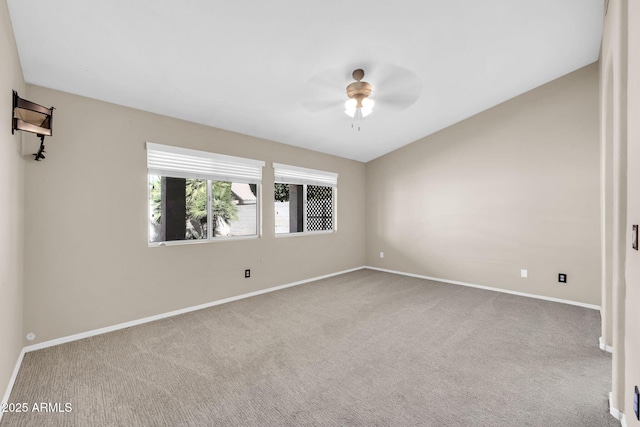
(124, 325)
(104, 330)
(488, 288)
(604, 347)
(12, 381)
(615, 413)
(623, 420)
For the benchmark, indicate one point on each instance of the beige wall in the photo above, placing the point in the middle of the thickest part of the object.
(632, 311)
(88, 263)
(514, 187)
(11, 206)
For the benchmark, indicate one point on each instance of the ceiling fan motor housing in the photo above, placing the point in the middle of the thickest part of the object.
(359, 91)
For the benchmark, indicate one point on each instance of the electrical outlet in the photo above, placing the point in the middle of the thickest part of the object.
(562, 278)
(381, 254)
(247, 273)
(523, 273)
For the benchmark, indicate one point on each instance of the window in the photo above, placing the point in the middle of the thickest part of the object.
(304, 199)
(196, 195)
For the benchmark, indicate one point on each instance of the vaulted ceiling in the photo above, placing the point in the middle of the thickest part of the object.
(278, 69)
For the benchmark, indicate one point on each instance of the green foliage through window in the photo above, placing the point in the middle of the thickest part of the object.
(203, 218)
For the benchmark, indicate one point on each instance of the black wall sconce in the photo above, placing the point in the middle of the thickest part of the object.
(31, 117)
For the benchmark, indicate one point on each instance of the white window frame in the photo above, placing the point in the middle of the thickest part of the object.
(288, 174)
(178, 162)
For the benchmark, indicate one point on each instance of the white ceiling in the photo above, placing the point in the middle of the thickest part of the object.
(262, 68)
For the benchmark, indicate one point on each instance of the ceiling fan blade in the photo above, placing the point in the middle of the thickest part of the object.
(318, 105)
(395, 103)
(388, 74)
(324, 91)
(395, 87)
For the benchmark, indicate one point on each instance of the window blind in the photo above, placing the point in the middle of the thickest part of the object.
(296, 175)
(177, 162)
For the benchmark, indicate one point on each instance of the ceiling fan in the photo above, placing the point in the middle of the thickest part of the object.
(359, 103)
(388, 88)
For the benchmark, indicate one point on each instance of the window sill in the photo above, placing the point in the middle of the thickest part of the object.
(304, 233)
(200, 241)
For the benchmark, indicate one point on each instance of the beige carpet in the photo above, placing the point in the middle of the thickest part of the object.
(361, 349)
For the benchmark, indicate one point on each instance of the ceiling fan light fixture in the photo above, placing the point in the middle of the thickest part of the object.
(367, 106)
(350, 107)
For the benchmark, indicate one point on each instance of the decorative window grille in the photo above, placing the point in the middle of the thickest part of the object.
(304, 199)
